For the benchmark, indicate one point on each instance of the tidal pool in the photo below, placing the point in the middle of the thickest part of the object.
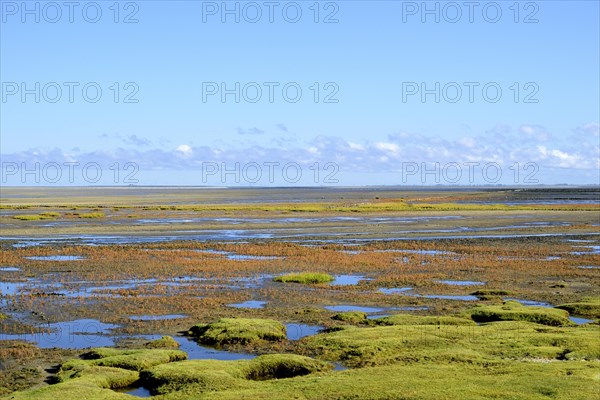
(467, 297)
(241, 236)
(378, 316)
(426, 252)
(394, 290)
(342, 280)
(406, 292)
(239, 257)
(196, 351)
(11, 288)
(249, 304)
(592, 250)
(135, 391)
(77, 334)
(298, 331)
(244, 257)
(461, 283)
(56, 258)
(26, 244)
(345, 308)
(156, 317)
(580, 321)
(531, 302)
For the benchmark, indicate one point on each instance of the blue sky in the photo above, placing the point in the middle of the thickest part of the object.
(370, 61)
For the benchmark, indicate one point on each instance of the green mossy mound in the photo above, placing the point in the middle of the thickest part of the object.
(351, 317)
(99, 369)
(514, 340)
(515, 311)
(491, 294)
(165, 342)
(211, 375)
(572, 380)
(238, 331)
(85, 382)
(279, 366)
(305, 278)
(505, 360)
(409, 319)
(588, 307)
(136, 359)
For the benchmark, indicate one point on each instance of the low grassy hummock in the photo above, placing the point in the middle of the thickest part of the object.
(409, 319)
(587, 307)
(165, 342)
(470, 344)
(37, 217)
(98, 371)
(238, 331)
(209, 375)
(305, 277)
(491, 294)
(351, 317)
(90, 215)
(502, 360)
(135, 359)
(515, 311)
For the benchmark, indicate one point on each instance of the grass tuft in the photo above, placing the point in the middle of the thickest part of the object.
(36, 217)
(588, 307)
(238, 331)
(408, 319)
(91, 215)
(165, 342)
(203, 376)
(136, 359)
(351, 317)
(515, 311)
(305, 278)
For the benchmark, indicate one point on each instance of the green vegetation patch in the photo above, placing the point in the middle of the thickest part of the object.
(515, 340)
(305, 277)
(136, 359)
(515, 311)
(210, 375)
(351, 317)
(588, 307)
(84, 383)
(571, 380)
(408, 319)
(165, 342)
(521, 381)
(507, 359)
(90, 215)
(487, 294)
(279, 366)
(238, 331)
(36, 217)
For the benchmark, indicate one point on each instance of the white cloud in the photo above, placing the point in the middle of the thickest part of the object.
(185, 151)
(499, 145)
(251, 131)
(535, 132)
(387, 147)
(356, 146)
